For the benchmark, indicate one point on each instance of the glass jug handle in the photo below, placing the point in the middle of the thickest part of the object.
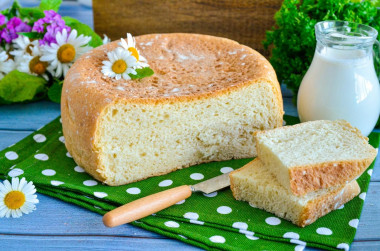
(376, 58)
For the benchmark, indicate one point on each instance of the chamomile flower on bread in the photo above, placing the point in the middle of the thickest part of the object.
(121, 63)
(17, 198)
(62, 55)
(31, 63)
(6, 64)
(130, 45)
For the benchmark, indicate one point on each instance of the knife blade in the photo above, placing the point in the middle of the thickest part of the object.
(156, 202)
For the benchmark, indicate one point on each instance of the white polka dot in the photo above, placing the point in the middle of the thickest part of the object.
(39, 138)
(370, 174)
(68, 155)
(291, 235)
(362, 195)
(354, 223)
(210, 194)
(79, 169)
(172, 224)
(11, 155)
(184, 237)
(224, 210)
(100, 194)
(60, 120)
(273, 221)
(62, 139)
(191, 216)
(299, 248)
(226, 169)
(341, 207)
(196, 176)
(217, 239)
(344, 246)
(324, 231)
(240, 225)
(180, 202)
(133, 190)
(252, 205)
(165, 183)
(296, 241)
(15, 172)
(251, 237)
(90, 183)
(56, 182)
(246, 232)
(48, 172)
(41, 156)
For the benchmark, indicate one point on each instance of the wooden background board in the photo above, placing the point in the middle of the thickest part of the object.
(243, 21)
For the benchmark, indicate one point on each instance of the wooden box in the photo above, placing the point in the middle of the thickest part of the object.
(243, 21)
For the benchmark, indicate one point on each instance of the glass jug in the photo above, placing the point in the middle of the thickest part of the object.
(341, 82)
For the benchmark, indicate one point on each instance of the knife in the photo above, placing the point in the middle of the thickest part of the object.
(156, 202)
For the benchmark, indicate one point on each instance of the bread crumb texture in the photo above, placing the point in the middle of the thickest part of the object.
(205, 101)
(258, 186)
(315, 155)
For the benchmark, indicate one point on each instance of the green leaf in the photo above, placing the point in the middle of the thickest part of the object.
(142, 73)
(32, 35)
(12, 11)
(55, 91)
(32, 13)
(50, 4)
(85, 30)
(19, 87)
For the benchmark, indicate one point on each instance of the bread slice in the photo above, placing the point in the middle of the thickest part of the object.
(206, 99)
(255, 184)
(314, 155)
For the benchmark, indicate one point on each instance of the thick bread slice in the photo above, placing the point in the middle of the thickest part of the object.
(206, 99)
(255, 184)
(314, 155)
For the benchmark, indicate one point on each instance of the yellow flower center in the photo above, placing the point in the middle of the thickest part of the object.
(66, 53)
(37, 66)
(134, 52)
(119, 66)
(14, 199)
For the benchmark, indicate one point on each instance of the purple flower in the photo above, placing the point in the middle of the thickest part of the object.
(2, 19)
(13, 26)
(51, 24)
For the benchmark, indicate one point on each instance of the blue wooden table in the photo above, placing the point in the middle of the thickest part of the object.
(59, 225)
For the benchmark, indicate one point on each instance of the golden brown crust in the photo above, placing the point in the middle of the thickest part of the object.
(86, 93)
(314, 177)
(328, 202)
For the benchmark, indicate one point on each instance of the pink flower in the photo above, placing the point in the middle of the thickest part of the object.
(2, 19)
(13, 26)
(51, 24)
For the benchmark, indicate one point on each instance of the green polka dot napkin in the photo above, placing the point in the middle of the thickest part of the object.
(213, 221)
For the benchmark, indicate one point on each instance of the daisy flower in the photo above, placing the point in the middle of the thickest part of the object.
(62, 55)
(130, 45)
(121, 63)
(22, 45)
(31, 63)
(6, 64)
(17, 198)
(106, 39)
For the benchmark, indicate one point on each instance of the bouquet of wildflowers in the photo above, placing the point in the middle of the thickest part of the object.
(37, 48)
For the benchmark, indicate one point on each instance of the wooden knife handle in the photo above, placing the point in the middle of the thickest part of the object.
(146, 206)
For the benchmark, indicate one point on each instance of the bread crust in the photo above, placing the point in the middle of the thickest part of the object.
(84, 100)
(308, 178)
(327, 203)
(315, 208)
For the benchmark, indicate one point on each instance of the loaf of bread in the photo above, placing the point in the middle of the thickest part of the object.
(255, 184)
(314, 155)
(205, 101)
